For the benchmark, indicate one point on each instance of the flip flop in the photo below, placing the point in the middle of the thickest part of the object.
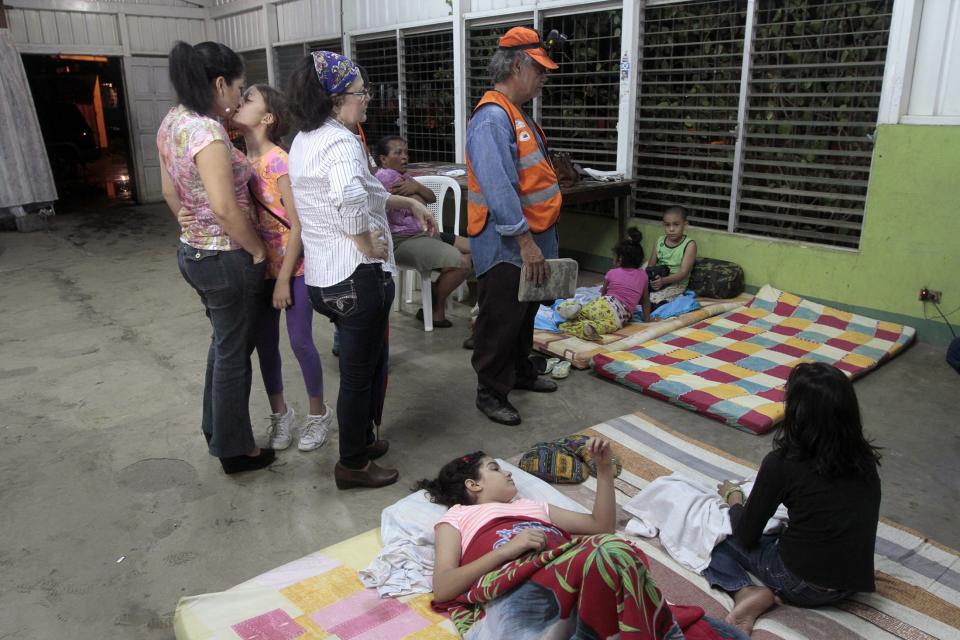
(560, 370)
(551, 363)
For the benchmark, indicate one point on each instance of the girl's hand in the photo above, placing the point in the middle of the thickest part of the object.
(185, 217)
(732, 491)
(656, 284)
(524, 542)
(282, 298)
(600, 452)
(426, 219)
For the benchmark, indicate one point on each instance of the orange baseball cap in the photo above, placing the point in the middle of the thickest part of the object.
(529, 40)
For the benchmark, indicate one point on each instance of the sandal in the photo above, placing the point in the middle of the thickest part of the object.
(551, 363)
(560, 370)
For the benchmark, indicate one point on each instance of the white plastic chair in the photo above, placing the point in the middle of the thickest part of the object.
(439, 185)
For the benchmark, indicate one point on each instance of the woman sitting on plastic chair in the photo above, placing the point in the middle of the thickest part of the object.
(448, 253)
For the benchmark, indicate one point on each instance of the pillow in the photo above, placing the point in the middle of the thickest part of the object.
(412, 518)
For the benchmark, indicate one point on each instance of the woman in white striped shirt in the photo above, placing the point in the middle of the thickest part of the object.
(348, 253)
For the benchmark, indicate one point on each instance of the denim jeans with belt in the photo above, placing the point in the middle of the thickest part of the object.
(731, 562)
(230, 287)
(360, 308)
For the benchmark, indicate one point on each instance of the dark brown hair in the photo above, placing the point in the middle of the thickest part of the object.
(275, 103)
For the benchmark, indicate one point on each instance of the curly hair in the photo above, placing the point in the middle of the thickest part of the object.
(630, 250)
(449, 487)
(822, 423)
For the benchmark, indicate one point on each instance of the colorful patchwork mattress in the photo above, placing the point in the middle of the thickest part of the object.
(317, 596)
(580, 352)
(733, 367)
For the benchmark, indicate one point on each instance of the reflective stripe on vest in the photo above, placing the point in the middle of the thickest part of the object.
(539, 191)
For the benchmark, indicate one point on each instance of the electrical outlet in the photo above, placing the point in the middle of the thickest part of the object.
(929, 295)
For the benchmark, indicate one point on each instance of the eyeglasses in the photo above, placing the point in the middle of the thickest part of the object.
(362, 94)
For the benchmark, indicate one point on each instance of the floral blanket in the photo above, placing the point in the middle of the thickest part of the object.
(594, 586)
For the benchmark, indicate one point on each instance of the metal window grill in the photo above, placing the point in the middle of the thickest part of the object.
(816, 73)
(379, 59)
(289, 56)
(481, 45)
(581, 100)
(428, 96)
(255, 67)
(691, 57)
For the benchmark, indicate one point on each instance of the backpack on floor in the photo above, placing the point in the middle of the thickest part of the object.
(713, 278)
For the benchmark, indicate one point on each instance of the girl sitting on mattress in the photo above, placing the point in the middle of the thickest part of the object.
(624, 287)
(517, 568)
(825, 472)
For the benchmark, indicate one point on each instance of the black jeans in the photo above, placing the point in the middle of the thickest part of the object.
(360, 308)
(230, 287)
(503, 333)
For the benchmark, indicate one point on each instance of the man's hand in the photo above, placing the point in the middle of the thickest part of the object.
(404, 187)
(426, 218)
(537, 268)
(656, 284)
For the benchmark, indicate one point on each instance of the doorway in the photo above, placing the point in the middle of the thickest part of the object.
(82, 111)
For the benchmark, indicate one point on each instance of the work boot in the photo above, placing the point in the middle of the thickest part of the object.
(496, 408)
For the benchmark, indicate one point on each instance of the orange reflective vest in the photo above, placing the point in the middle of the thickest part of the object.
(539, 194)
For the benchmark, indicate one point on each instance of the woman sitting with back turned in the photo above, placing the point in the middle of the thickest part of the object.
(825, 472)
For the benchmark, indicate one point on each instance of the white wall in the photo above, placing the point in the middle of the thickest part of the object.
(302, 20)
(64, 29)
(156, 35)
(242, 31)
(935, 86)
(365, 15)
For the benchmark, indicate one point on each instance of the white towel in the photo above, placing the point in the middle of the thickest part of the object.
(690, 517)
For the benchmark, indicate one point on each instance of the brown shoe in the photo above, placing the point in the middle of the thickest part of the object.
(377, 449)
(373, 476)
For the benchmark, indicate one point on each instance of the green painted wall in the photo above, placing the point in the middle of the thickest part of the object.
(911, 238)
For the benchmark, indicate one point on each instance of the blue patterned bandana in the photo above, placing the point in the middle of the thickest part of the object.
(336, 72)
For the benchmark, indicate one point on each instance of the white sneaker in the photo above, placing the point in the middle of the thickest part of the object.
(314, 432)
(279, 432)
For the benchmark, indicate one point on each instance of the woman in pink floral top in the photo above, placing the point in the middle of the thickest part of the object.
(220, 255)
(263, 120)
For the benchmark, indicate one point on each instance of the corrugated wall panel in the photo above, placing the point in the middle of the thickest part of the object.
(241, 31)
(308, 19)
(935, 90)
(66, 28)
(493, 5)
(371, 14)
(157, 35)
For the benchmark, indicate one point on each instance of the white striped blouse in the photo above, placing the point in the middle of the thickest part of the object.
(336, 197)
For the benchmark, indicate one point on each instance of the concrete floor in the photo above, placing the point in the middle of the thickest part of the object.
(114, 510)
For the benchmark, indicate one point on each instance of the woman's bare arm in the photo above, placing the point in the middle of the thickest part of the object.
(216, 173)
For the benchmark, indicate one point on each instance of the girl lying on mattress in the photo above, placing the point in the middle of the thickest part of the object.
(825, 472)
(523, 569)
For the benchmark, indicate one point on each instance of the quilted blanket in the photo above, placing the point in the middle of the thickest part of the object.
(580, 352)
(733, 367)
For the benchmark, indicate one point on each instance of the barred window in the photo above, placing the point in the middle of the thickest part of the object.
(289, 56)
(809, 114)
(255, 67)
(689, 78)
(481, 45)
(581, 100)
(817, 68)
(379, 59)
(428, 96)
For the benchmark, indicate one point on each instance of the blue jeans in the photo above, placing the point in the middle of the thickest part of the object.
(730, 564)
(360, 308)
(230, 287)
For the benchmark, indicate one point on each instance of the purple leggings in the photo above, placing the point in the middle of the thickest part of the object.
(300, 331)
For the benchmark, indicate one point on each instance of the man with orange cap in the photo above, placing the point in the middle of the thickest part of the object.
(512, 209)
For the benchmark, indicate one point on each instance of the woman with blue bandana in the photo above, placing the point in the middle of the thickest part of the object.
(348, 253)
